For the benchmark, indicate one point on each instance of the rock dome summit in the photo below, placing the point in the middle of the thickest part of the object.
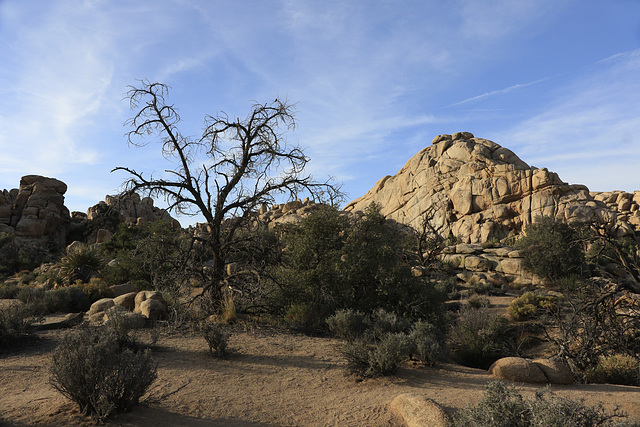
(478, 190)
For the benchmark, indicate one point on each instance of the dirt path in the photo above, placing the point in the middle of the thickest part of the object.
(271, 379)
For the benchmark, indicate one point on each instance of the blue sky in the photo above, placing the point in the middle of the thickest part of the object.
(556, 81)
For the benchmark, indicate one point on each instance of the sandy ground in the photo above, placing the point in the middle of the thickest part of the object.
(272, 378)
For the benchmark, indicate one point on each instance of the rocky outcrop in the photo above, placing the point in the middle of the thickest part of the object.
(134, 307)
(290, 212)
(130, 209)
(495, 265)
(477, 190)
(36, 210)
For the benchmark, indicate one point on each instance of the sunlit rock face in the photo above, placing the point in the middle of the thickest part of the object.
(35, 210)
(478, 190)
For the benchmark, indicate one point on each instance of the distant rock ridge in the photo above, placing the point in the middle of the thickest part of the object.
(131, 209)
(478, 190)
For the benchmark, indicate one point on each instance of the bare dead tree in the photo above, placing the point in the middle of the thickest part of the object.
(227, 173)
(429, 240)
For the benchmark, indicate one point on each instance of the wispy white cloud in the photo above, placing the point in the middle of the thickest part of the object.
(497, 92)
(592, 125)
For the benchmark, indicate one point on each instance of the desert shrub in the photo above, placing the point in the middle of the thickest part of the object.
(392, 350)
(529, 305)
(383, 323)
(427, 342)
(156, 256)
(15, 322)
(547, 409)
(217, 337)
(449, 288)
(500, 406)
(102, 377)
(377, 344)
(96, 289)
(334, 262)
(8, 291)
(551, 248)
(368, 359)
(483, 288)
(19, 257)
(348, 324)
(479, 337)
(616, 369)
(504, 406)
(80, 263)
(596, 321)
(301, 316)
(30, 295)
(476, 301)
(69, 299)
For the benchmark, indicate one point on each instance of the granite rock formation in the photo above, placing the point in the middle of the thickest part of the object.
(477, 190)
(36, 210)
(131, 209)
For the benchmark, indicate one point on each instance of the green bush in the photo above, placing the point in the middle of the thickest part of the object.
(377, 344)
(479, 337)
(15, 322)
(551, 248)
(368, 359)
(8, 291)
(383, 322)
(504, 406)
(217, 337)
(617, 369)
(348, 324)
(476, 301)
(427, 342)
(100, 375)
(449, 288)
(530, 305)
(333, 262)
(66, 300)
(17, 257)
(80, 263)
(302, 317)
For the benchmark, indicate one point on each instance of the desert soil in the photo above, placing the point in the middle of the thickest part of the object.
(271, 378)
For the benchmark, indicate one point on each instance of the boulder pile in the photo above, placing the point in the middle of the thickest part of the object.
(36, 210)
(477, 191)
(131, 209)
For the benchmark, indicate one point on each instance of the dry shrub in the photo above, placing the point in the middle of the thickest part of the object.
(217, 336)
(103, 377)
(617, 369)
(504, 406)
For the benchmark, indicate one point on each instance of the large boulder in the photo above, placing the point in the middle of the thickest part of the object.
(517, 369)
(150, 304)
(478, 190)
(418, 411)
(556, 371)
